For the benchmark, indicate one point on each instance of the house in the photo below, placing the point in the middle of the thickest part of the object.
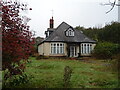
(65, 41)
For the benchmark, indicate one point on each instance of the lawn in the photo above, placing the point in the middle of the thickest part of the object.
(48, 73)
(0, 79)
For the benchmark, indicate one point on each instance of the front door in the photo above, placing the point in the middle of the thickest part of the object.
(72, 51)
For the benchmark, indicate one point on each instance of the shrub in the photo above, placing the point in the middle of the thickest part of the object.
(16, 80)
(35, 55)
(41, 57)
(105, 50)
(67, 76)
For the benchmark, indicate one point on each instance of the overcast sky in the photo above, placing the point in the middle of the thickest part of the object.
(87, 13)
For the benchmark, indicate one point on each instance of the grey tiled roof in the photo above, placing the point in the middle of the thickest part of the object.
(51, 29)
(59, 35)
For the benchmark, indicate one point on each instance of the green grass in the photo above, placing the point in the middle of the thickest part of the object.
(0, 79)
(48, 73)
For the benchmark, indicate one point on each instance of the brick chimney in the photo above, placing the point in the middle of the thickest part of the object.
(51, 23)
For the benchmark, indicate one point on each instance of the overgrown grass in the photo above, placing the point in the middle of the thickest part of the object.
(48, 73)
(0, 79)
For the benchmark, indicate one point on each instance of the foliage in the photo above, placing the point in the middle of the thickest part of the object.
(17, 40)
(110, 32)
(37, 40)
(67, 76)
(41, 57)
(16, 80)
(80, 28)
(105, 50)
(93, 33)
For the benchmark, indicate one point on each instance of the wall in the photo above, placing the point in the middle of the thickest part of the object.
(44, 49)
(93, 46)
(78, 50)
(40, 49)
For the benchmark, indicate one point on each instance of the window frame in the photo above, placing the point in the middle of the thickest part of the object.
(86, 48)
(69, 32)
(57, 48)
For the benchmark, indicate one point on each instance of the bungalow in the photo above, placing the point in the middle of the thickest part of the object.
(65, 41)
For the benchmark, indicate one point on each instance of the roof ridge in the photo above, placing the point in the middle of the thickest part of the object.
(61, 24)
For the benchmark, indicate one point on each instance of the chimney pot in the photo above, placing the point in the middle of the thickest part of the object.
(51, 23)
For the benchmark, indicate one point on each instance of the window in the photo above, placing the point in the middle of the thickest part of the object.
(69, 32)
(90, 47)
(54, 48)
(86, 48)
(57, 48)
(61, 48)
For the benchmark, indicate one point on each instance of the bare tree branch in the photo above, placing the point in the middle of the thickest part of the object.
(112, 4)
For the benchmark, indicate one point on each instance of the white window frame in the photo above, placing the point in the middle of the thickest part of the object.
(57, 48)
(70, 32)
(86, 48)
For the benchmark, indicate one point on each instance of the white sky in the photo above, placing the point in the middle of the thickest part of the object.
(87, 13)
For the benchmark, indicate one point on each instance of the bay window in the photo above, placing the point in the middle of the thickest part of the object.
(57, 48)
(86, 48)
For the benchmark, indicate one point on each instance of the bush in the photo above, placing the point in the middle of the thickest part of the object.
(105, 50)
(16, 80)
(35, 55)
(41, 57)
(67, 76)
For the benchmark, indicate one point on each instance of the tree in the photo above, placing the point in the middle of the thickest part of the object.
(112, 4)
(110, 33)
(17, 40)
(37, 40)
(90, 32)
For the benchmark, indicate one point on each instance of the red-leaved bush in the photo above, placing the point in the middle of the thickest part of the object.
(17, 41)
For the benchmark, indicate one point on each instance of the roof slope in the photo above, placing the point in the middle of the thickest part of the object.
(59, 35)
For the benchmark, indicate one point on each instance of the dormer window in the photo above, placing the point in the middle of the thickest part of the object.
(69, 32)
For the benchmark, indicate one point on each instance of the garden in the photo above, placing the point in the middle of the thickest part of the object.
(50, 73)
